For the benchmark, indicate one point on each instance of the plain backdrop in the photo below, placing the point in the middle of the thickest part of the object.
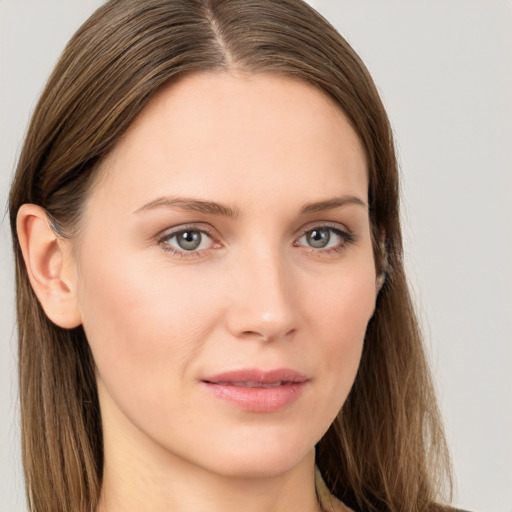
(444, 69)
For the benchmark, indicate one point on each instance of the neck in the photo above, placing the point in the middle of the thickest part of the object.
(184, 488)
(141, 475)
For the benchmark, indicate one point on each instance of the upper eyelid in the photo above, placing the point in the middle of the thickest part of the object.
(324, 224)
(209, 230)
(171, 231)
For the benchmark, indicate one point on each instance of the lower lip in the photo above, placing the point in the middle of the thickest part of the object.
(258, 399)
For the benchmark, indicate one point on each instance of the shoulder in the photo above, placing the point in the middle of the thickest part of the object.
(330, 503)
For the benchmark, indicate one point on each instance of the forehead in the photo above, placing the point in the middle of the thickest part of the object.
(238, 131)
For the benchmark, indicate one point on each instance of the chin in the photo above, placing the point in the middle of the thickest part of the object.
(260, 460)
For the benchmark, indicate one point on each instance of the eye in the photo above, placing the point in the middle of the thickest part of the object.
(186, 240)
(325, 238)
(318, 238)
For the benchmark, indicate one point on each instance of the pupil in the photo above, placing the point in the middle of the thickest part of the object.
(189, 240)
(318, 238)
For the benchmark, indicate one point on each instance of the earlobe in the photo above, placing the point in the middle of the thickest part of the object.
(49, 266)
(379, 282)
(384, 267)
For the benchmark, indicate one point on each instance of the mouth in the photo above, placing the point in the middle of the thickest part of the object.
(256, 390)
(253, 384)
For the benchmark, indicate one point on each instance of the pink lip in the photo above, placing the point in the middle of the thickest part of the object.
(256, 390)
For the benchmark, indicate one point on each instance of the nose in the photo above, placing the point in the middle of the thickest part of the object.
(264, 299)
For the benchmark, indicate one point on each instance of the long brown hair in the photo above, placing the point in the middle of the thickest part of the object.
(386, 449)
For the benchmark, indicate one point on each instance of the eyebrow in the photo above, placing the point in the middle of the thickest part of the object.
(331, 204)
(214, 208)
(190, 204)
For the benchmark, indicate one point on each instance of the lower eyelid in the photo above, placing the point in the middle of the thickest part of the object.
(346, 238)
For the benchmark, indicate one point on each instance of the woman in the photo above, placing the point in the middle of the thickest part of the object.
(211, 296)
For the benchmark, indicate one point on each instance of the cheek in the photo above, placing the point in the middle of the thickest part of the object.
(341, 316)
(345, 302)
(142, 324)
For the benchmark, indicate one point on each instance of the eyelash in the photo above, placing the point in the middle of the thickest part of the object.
(163, 241)
(346, 237)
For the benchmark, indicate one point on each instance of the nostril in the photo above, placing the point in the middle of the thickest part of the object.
(268, 337)
(254, 334)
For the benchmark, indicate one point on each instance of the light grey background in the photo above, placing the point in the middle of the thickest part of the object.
(444, 69)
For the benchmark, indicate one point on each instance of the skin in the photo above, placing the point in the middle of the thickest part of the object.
(160, 319)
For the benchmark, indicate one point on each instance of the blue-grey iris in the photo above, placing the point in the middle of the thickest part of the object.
(189, 240)
(318, 238)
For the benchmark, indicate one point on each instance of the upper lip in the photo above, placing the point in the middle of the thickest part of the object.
(257, 375)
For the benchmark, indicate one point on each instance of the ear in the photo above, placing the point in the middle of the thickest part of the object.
(384, 266)
(50, 266)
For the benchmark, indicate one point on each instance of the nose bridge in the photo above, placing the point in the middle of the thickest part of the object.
(264, 300)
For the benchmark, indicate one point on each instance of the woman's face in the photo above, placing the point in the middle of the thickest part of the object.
(225, 273)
